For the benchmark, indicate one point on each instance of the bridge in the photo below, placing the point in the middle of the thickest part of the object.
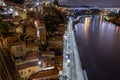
(103, 9)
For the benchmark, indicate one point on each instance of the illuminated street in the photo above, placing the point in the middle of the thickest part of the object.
(59, 40)
(72, 69)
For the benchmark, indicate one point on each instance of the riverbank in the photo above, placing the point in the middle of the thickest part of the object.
(98, 45)
(114, 18)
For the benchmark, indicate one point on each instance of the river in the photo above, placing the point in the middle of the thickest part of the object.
(99, 48)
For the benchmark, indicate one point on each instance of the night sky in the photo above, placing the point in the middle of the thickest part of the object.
(99, 3)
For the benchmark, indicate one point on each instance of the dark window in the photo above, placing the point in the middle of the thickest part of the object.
(29, 70)
(21, 73)
(52, 59)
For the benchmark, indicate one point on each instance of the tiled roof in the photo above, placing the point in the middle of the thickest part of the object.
(26, 65)
(56, 38)
(45, 73)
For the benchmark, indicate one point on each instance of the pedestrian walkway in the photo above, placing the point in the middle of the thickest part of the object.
(72, 69)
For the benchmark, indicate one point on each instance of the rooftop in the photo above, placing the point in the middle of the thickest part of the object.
(26, 65)
(45, 73)
(56, 38)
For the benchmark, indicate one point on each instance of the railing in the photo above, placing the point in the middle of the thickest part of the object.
(72, 69)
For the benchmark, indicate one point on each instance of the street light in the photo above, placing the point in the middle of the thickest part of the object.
(39, 62)
(37, 3)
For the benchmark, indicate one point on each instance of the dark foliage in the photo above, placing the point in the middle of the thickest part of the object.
(4, 28)
(18, 1)
(52, 20)
(56, 2)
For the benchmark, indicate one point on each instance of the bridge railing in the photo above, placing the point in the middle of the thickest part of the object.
(72, 68)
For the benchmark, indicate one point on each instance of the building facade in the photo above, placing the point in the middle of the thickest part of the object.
(7, 67)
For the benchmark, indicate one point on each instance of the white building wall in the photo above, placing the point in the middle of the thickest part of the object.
(25, 73)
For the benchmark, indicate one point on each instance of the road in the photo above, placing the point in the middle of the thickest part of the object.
(99, 48)
(72, 69)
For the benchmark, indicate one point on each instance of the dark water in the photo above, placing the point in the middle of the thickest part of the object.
(99, 48)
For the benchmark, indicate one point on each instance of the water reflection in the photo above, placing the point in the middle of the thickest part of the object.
(99, 46)
(87, 26)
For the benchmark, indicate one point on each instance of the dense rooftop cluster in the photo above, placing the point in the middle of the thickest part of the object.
(27, 33)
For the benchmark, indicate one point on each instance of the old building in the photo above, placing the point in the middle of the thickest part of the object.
(27, 69)
(48, 59)
(18, 49)
(31, 66)
(50, 74)
(7, 67)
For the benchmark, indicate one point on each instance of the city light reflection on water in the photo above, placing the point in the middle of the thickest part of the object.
(99, 47)
(87, 26)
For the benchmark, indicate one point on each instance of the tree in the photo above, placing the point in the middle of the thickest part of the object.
(22, 37)
(31, 14)
(1, 8)
(51, 23)
(52, 19)
(19, 1)
(56, 2)
(4, 28)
